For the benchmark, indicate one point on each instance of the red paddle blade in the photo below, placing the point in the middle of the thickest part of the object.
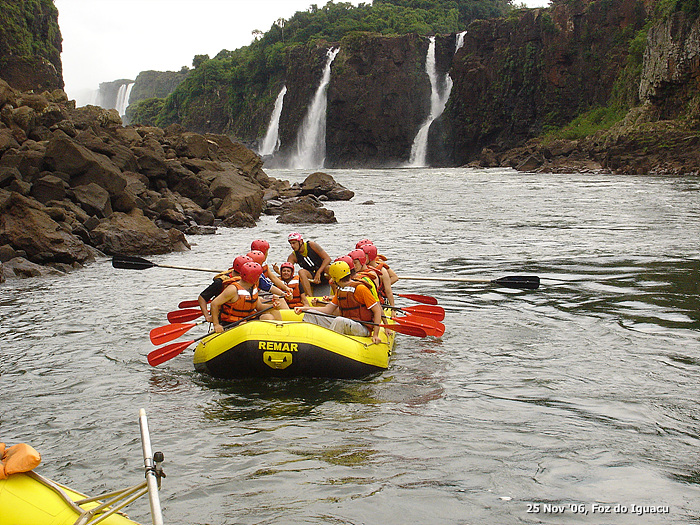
(182, 316)
(415, 331)
(425, 310)
(165, 353)
(163, 334)
(188, 304)
(431, 326)
(425, 299)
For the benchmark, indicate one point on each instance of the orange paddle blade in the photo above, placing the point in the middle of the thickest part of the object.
(165, 353)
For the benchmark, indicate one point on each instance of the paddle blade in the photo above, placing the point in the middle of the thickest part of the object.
(164, 334)
(430, 326)
(165, 353)
(127, 262)
(425, 299)
(188, 304)
(182, 316)
(415, 331)
(523, 282)
(425, 310)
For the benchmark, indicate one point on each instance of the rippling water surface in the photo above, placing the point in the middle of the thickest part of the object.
(535, 406)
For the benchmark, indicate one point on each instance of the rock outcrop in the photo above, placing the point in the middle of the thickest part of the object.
(75, 183)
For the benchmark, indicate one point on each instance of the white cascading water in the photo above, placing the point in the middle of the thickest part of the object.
(459, 41)
(419, 150)
(123, 98)
(311, 140)
(271, 142)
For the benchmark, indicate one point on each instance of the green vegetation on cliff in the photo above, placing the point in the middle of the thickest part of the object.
(234, 91)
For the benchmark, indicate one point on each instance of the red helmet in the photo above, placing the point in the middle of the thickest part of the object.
(239, 261)
(295, 237)
(260, 245)
(358, 255)
(347, 259)
(370, 250)
(257, 256)
(287, 265)
(251, 272)
(362, 242)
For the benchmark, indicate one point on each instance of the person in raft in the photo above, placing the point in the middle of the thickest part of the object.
(240, 299)
(356, 303)
(224, 279)
(312, 260)
(261, 245)
(298, 297)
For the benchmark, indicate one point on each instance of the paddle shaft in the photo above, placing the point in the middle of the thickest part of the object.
(527, 282)
(129, 262)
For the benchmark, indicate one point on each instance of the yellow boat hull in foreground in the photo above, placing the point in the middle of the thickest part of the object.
(291, 348)
(28, 499)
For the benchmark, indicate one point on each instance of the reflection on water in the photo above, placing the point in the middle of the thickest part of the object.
(581, 391)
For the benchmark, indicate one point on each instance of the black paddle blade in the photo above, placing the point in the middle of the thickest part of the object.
(127, 262)
(522, 282)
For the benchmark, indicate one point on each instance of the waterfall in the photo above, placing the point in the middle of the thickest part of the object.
(271, 142)
(123, 98)
(438, 99)
(311, 140)
(459, 41)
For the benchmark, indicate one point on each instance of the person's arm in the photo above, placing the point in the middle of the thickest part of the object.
(229, 294)
(386, 281)
(324, 264)
(377, 312)
(207, 294)
(325, 309)
(279, 283)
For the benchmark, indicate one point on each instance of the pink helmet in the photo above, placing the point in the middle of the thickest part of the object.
(251, 272)
(257, 256)
(295, 237)
(239, 261)
(260, 245)
(358, 255)
(287, 265)
(370, 250)
(362, 242)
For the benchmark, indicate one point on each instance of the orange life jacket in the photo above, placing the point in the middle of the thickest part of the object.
(377, 285)
(351, 307)
(294, 285)
(244, 306)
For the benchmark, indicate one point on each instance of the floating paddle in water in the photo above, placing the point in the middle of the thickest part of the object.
(128, 262)
(524, 282)
(167, 352)
(425, 299)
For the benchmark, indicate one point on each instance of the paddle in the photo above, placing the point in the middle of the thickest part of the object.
(165, 353)
(430, 326)
(422, 310)
(425, 299)
(163, 334)
(127, 262)
(524, 282)
(182, 316)
(188, 304)
(408, 329)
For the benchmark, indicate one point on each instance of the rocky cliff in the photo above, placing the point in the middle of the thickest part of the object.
(30, 45)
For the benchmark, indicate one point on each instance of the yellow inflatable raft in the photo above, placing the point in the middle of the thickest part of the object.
(30, 499)
(26, 498)
(291, 348)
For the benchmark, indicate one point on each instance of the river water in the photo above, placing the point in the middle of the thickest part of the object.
(574, 403)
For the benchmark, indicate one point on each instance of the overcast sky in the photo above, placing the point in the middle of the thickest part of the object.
(105, 40)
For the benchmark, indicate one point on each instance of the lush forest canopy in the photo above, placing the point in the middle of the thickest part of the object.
(250, 73)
